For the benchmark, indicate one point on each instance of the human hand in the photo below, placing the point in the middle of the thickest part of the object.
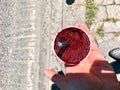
(94, 73)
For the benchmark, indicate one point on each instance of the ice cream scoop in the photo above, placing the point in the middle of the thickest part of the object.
(72, 45)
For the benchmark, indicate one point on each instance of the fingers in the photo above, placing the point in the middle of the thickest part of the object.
(55, 77)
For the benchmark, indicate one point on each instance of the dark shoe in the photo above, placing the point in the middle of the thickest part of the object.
(115, 53)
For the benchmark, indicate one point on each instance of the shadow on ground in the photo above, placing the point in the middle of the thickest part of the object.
(116, 66)
(96, 69)
(69, 2)
(54, 86)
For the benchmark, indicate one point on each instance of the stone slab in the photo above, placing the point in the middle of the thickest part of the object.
(101, 14)
(98, 2)
(113, 11)
(117, 1)
(108, 2)
(112, 27)
(73, 14)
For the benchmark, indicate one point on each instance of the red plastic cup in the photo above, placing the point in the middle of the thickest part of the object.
(72, 45)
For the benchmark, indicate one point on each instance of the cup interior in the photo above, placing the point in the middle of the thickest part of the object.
(72, 45)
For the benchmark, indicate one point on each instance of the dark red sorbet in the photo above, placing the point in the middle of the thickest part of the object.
(72, 45)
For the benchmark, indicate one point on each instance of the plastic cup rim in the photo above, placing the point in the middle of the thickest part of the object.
(56, 36)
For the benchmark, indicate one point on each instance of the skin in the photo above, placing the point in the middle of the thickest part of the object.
(94, 73)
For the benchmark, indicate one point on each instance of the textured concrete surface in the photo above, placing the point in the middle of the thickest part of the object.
(17, 45)
(27, 29)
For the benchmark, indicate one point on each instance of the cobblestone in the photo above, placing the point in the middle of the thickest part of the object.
(101, 15)
(108, 2)
(112, 27)
(98, 2)
(113, 11)
(117, 1)
(108, 16)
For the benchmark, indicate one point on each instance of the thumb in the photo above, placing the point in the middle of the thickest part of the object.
(54, 76)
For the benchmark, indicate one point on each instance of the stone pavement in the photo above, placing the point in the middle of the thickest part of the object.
(108, 17)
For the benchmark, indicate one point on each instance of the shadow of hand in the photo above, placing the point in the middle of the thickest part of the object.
(100, 77)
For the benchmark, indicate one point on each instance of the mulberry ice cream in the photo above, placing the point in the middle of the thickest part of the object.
(72, 45)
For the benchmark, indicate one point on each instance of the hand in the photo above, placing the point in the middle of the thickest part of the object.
(94, 73)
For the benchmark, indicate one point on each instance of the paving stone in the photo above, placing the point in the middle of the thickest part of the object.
(98, 2)
(112, 27)
(108, 36)
(104, 2)
(104, 48)
(117, 1)
(101, 14)
(113, 11)
(111, 40)
(107, 2)
(82, 2)
(69, 14)
(108, 45)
